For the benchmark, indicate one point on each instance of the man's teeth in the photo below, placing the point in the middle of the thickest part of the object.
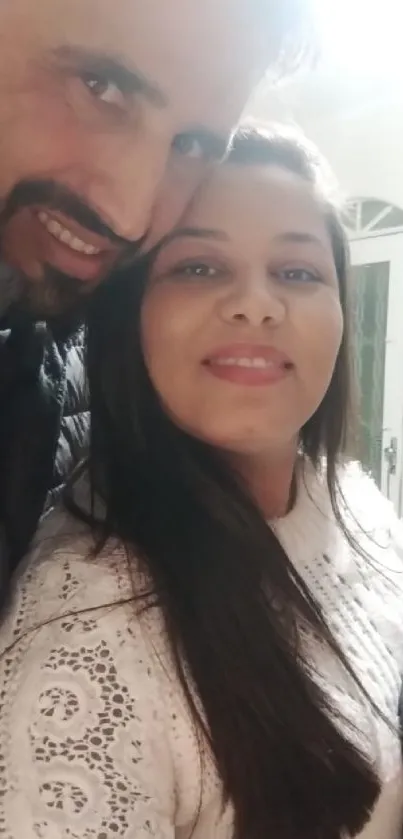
(63, 235)
(257, 363)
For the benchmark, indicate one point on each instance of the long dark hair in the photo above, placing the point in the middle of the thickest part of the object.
(231, 599)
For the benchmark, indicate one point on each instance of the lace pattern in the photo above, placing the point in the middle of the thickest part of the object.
(72, 727)
(96, 739)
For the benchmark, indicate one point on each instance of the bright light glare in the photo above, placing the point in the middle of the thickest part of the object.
(364, 37)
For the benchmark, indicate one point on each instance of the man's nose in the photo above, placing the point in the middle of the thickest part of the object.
(126, 186)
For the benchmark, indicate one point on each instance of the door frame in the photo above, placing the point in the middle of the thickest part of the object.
(389, 248)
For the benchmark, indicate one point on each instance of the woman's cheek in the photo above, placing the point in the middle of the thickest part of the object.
(327, 334)
(317, 335)
(164, 328)
(327, 331)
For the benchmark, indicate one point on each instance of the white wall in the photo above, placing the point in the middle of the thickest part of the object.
(359, 128)
(366, 151)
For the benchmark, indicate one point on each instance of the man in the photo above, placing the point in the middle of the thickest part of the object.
(111, 111)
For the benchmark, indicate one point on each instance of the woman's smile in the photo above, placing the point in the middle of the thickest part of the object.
(250, 365)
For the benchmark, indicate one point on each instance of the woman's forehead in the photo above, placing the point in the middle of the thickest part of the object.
(251, 193)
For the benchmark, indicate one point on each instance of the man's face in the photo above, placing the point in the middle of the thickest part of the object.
(110, 113)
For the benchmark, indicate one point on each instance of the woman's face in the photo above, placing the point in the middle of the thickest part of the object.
(241, 320)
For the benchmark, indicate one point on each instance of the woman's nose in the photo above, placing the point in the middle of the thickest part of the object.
(256, 302)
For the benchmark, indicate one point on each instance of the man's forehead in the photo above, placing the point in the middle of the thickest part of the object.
(197, 54)
(209, 33)
(105, 18)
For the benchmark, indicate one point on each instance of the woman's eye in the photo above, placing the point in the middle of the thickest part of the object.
(188, 145)
(298, 275)
(104, 89)
(199, 270)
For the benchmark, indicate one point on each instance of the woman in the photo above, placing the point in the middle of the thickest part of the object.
(224, 658)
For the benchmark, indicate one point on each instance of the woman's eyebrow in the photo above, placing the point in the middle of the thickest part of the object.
(195, 233)
(291, 236)
(301, 238)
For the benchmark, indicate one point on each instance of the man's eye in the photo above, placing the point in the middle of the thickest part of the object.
(189, 145)
(104, 89)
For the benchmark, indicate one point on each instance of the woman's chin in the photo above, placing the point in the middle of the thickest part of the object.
(245, 441)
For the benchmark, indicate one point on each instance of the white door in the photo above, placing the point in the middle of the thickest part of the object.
(377, 279)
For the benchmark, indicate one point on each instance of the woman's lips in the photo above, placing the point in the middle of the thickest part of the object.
(248, 364)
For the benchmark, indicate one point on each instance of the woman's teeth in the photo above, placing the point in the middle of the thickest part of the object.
(63, 235)
(258, 363)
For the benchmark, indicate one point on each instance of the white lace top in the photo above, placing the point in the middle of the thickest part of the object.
(96, 740)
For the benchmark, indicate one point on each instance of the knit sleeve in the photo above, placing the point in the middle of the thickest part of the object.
(83, 743)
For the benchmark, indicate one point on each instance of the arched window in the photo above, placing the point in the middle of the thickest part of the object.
(369, 217)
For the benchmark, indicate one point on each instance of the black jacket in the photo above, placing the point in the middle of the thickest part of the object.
(43, 426)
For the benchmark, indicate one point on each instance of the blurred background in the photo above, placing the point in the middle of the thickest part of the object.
(351, 104)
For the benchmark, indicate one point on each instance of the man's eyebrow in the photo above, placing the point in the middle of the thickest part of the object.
(194, 233)
(128, 80)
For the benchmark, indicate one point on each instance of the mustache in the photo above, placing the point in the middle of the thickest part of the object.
(55, 196)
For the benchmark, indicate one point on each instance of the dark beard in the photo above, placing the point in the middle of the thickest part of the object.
(56, 297)
(11, 288)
